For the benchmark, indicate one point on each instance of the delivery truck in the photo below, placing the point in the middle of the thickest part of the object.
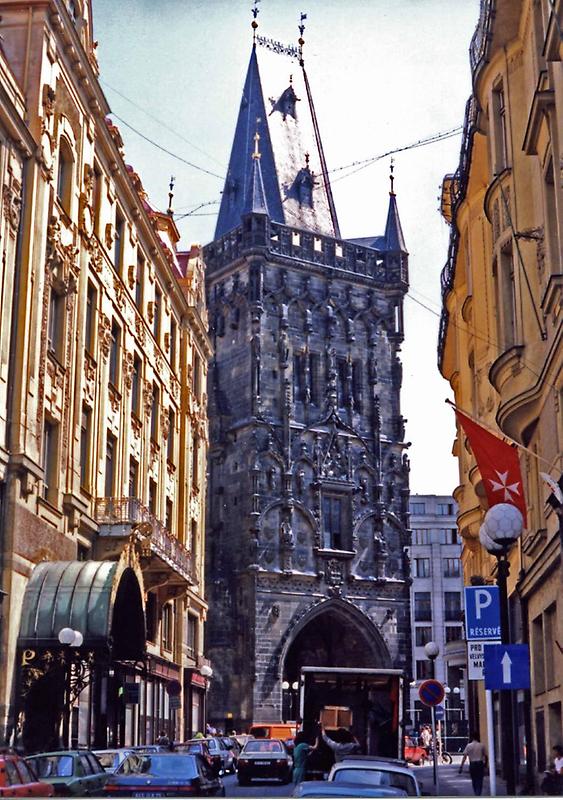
(367, 702)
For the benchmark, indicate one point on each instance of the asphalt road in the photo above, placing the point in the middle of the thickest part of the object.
(257, 788)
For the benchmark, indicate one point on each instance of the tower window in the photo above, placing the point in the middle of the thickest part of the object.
(334, 522)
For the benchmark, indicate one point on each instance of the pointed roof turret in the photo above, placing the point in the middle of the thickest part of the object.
(255, 202)
(277, 94)
(394, 239)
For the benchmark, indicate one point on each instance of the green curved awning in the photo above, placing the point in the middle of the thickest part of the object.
(68, 594)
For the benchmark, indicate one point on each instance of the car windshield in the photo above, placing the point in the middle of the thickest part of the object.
(107, 760)
(53, 766)
(172, 766)
(376, 777)
(264, 746)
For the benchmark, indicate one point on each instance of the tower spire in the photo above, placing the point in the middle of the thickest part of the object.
(255, 202)
(394, 239)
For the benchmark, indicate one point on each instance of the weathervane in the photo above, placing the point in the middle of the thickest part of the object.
(391, 176)
(301, 40)
(255, 12)
(170, 195)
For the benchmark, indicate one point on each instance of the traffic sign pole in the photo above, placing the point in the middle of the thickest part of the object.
(491, 738)
(435, 751)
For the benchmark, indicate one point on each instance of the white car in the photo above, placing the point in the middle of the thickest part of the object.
(373, 771)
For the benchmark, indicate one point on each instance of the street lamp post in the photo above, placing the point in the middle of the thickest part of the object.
(206, 671)
(432, 652)
(502, 526)
(68, 638)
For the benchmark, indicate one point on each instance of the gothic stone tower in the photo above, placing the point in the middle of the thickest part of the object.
(308, 489)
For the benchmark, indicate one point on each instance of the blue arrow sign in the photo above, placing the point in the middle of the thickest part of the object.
(507, 666)
(482, 613)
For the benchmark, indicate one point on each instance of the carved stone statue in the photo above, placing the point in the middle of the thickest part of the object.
(286, 534)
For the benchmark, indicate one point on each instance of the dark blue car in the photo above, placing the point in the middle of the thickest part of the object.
(166, 775)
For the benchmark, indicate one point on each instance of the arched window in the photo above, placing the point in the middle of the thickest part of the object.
(64, 174)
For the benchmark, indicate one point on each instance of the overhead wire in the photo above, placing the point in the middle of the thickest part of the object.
(161, 122)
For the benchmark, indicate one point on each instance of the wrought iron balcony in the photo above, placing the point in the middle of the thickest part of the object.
(479, 43)
(116, 517)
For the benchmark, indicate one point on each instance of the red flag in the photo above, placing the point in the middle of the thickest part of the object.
(498, 464)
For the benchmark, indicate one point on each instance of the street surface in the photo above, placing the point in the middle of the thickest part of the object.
(451, 783)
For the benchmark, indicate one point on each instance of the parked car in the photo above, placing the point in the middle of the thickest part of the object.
(17, 779)
(415, 753)
(220, 754)
(198, 747)
(373, 771)
(233, 746)
(166, 775)
(111, 760)
(150, 748)
(333, 789)
(264, 758)
(76, 773)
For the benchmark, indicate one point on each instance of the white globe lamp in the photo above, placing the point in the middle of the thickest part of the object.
(66, 636)
(503, 524)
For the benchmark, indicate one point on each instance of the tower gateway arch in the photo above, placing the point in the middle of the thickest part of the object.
(308, 488)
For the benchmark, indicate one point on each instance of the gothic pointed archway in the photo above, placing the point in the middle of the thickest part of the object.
(335, 635)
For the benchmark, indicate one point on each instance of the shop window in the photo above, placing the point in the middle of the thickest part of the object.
(64, 175)
(422, 606)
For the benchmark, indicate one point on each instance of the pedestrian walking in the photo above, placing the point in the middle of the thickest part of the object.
(163, 739)
(552, 782)
(302, 748)
(345, 746)
(476, 754)
(426, 737)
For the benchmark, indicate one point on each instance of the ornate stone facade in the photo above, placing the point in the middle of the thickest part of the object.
(308, 493)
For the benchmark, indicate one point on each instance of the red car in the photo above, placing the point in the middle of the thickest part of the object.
(18, 780)
(415, 753)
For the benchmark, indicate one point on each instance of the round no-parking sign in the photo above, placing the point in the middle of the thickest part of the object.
(431, 692)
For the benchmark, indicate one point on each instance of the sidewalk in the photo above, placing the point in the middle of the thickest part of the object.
(451, 783)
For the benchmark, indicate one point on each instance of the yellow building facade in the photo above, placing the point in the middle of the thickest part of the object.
(103, 426)
(500, 334)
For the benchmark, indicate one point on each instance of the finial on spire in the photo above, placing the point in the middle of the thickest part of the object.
(301, 40)
(254, 23)
(171, 195)
(307, 156)
(256, 153)
(392, 177)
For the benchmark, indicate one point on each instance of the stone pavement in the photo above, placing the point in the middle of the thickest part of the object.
(451, 783)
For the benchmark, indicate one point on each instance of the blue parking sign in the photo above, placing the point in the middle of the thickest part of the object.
(506, 666)
(482, 613)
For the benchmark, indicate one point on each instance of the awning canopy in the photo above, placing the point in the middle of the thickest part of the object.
(101, 599)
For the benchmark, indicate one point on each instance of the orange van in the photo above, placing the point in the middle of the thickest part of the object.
(275, 730)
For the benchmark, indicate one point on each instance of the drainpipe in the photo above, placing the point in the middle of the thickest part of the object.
(530, 786)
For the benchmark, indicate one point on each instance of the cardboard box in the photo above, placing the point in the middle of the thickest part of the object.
(333, 717)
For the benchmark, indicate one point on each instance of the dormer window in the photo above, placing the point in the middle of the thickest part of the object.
(303, 186)
(286, 103)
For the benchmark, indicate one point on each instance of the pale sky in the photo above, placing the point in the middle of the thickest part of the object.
(384, 74)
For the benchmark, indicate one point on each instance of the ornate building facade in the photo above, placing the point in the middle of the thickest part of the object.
(500, 341)
(308, 476)
(103, 427)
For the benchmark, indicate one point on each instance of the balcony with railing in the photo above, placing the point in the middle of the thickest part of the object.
(162, 555)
